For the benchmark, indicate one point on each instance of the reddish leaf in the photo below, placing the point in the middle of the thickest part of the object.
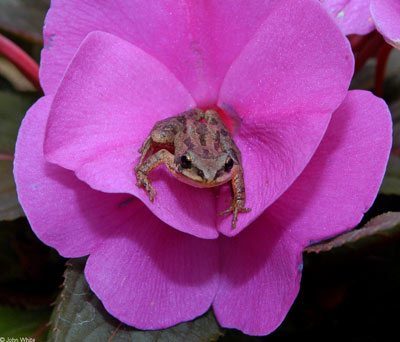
(384, 226)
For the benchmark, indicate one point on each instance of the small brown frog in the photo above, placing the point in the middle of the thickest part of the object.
(197, 149)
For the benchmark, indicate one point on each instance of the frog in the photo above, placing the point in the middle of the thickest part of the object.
(198, 149)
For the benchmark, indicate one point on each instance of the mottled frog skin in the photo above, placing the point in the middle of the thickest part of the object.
(197, 149)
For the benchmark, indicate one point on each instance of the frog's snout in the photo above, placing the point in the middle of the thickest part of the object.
(208, 175)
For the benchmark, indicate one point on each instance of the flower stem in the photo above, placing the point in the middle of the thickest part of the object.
(395, 151)
(6, 156)
(115, 332)
(367, 48)
(382, 58)
(356, 42)
(21, 60)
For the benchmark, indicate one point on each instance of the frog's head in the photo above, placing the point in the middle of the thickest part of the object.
(204, 169)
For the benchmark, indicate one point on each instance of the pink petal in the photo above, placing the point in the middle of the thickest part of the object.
(285, 92)
(352, 16)
(63, 212)
(260, 271)
(110, 96)
(341, 181)
(386, 14)
(98, 135)
(151, 276)
(260, 278)
(196, 40)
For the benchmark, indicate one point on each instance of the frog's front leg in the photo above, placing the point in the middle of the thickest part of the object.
(162, 134)
(146, 149)
(143, 169)
(239, 198)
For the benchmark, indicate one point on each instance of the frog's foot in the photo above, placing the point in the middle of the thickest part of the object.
(235, 208)
(143, 180)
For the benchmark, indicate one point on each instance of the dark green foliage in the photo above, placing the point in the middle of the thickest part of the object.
(80, 316)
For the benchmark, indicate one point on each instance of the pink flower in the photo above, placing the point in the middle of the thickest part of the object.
(313, 154)
(352, 16)
(386, 15)
(363, 16)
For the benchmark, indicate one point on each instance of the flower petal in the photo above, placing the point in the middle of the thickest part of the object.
(110, 96)
(151, 276)
(285, 92)
(196, 40)
(352, 16)
(386, 14)
(99, 135)
(261, 267)
(260, 278)
(342, 179)
(63, 212)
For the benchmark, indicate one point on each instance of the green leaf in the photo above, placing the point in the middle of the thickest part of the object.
(395, 111)
(380, 228)
(17, 323)
(12, 110)
(391, 181)
(80, 316)
(233, 335)
(24, 17)
(9, 205)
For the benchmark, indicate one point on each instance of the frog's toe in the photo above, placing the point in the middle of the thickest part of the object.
(143, 181)
(151, 192)
(235, 210)
(227, 211)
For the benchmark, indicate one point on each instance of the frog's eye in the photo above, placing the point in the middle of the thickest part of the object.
(228, 164)
(186, 163)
